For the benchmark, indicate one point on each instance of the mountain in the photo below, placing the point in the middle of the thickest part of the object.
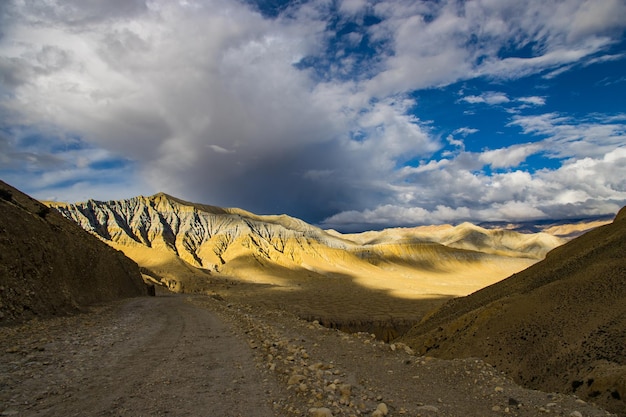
(50, 266)
(559, 325)
(345, 281)
(219, 240)
(467, 236)
(165, 233)
(568, 228)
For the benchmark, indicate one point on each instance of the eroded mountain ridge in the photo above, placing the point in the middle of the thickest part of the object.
(209, 237)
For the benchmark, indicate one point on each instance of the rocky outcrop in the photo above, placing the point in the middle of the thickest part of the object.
(50, 266)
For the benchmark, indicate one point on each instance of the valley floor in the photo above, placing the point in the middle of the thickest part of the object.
(181, 355)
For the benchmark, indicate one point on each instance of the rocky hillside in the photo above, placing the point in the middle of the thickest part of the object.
(560, 325)
(221, 240)
(49, 266)
(203, 236)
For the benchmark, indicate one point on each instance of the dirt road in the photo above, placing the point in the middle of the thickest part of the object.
(201, 356)
(147, 356)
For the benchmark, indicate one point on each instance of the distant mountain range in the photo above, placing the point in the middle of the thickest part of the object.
(175, 239)
(568, 229)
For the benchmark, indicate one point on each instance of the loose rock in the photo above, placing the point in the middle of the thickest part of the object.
(430, 408)
(320, 412)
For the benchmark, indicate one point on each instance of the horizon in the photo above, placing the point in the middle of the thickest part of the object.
(352, 115)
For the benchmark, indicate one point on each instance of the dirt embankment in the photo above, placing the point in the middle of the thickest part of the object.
(198, 355)
(49, 265)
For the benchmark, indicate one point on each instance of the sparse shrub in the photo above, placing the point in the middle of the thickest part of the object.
(6, 195)
(43, 211)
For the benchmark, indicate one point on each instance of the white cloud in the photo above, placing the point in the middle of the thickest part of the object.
(588, 187)
(592, 183)
(560, 70)
(386, 215)
(558, 59)
(594, 18)
(509, 157)
(66, 170)
(494, 98)
(465, 131)
(534, 100)
(455, 142)
(589, 181)
(221, 150)
(491, 98)
(606, 58)
(464, 39)
(352, 7)
(392, 135)
(159, 86)
(593, 136)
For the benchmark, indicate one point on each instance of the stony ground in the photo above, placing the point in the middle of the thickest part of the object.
(204, 356)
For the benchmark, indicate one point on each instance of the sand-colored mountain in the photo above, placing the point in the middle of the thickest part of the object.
(468, 236)
(572, 230)
(563, 228)
(358, 281)
(49, 266)
(560, 325)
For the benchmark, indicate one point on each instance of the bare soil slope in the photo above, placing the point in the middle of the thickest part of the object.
(49, 265)
(560, 325)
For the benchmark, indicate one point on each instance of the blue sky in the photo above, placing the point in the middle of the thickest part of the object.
(349, 114)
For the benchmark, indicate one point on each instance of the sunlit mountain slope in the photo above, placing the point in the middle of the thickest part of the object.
(163, 233)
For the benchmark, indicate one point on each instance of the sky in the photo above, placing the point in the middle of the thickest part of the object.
(348, 114)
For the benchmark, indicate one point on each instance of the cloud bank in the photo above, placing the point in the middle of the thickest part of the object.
(307, 109)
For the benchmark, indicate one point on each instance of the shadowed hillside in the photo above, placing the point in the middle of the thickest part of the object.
(50, 266)
(560, 325)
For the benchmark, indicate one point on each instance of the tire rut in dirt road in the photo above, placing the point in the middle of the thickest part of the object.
(148, 356)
